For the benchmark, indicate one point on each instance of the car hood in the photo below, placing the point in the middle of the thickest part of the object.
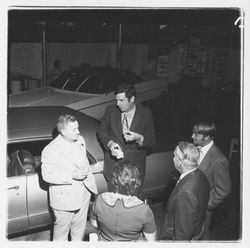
(46, 97)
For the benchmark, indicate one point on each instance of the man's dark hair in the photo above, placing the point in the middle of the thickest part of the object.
(129, 90)
(205, 127)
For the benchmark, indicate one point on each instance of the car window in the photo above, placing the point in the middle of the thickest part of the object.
(111, 80)
(25, 157)
(130, 77)
(92, 85)
(61, 79)
(73, 82)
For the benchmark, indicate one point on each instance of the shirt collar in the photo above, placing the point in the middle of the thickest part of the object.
(185, 173)
(68, 143)
(131, 112)
(128, 201)
(204, 149)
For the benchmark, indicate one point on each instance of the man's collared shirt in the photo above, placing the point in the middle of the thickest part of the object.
(204, 149)
(184, 174)
(130, 115)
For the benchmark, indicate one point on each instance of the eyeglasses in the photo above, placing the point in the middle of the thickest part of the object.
(197, 134)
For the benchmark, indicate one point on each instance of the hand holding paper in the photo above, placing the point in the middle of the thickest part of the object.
(116, 151)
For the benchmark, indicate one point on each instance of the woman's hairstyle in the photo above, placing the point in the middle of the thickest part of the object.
(205, 127)
(190, 153)
(63, 120)
(129, 90)
(126, 178)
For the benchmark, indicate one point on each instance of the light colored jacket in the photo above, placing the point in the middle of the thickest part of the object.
(58, 163)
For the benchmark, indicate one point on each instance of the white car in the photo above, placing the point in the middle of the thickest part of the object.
(89, 90)
(30, 129)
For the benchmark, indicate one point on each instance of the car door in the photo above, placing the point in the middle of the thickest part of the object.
(27, 192)
(17, 204)
(37, 201)
(158, 177)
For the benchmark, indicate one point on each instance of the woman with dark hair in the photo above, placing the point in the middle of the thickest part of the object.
(121, 215)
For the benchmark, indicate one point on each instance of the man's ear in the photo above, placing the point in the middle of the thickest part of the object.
(132, 99)
(207, 137)
(62, 132)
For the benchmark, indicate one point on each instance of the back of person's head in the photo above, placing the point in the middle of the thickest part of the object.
(128, 89)
(63, 120)
(206, 127)
(190, 153)
(126, 178)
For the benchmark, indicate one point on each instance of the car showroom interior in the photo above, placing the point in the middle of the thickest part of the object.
(186, 65)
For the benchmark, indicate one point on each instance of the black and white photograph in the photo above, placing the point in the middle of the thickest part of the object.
(124, 123)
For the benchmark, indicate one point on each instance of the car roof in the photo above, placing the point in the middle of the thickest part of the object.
(39, 122)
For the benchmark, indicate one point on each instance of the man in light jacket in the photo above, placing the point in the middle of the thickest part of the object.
(66, 168)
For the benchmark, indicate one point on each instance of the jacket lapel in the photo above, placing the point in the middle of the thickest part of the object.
(174, 192)
(136, 119)
(65, 151)
(206, 157)
(179, 185)
(116, 119)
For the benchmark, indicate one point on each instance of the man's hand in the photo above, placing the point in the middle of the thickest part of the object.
(116, 150)
(132, 136)
(79, 174)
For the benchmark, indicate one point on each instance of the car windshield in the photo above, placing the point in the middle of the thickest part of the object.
(93, 85)
(74, 82)
(61, 79)
(106, 81)
(95, 80)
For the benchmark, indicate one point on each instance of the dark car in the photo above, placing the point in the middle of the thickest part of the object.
(94, 79)
(89, 89)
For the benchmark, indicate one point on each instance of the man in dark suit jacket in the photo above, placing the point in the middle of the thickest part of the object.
(214, 165)
(186, 207)
(126, 131)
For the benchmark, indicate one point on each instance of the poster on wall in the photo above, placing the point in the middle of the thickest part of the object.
(162, 64)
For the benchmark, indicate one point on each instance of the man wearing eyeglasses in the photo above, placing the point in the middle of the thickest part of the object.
(215, 166)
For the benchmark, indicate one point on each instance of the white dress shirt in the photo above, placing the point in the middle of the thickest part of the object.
(184, 174)
(204, 149)
(130, 115)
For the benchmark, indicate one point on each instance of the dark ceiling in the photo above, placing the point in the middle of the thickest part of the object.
(138, 25)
